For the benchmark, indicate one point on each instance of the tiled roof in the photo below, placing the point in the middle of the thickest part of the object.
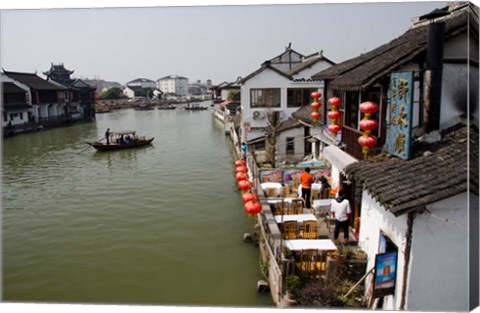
(366, 69)
(403, 186)
(11, 88)
(32, 80)
(308, 62)
(264, 67)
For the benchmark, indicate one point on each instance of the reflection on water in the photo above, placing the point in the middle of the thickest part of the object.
(161, 224)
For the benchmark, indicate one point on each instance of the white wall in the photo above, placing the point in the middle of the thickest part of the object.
(299, 145)
(373, 219)
(438, 278)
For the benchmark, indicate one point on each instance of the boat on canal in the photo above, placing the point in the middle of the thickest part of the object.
(122, 140)
(195, 107)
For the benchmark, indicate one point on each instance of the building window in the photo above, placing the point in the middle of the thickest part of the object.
(290, 145)
(298, 97)
(21, 115)
(5, 118)
(265, 98)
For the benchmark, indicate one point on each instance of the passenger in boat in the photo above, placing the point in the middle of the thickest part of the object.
(127, 140)
(107, 136)
(121, 139)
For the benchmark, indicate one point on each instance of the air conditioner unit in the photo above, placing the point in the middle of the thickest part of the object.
(258, 115)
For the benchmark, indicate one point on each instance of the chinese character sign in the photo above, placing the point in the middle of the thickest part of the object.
(400, 130)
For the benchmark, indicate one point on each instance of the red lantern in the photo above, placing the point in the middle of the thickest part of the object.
(238, 163)
(369, 107)
(241, 176)
(335, 102)
(252, 207)
(334, 115)
(315, 115)
(316, 95)
(315, 105)
(334, 128)
(241, 169)
(367, 141)
(244, 185)
(368, 124)
(249, 197)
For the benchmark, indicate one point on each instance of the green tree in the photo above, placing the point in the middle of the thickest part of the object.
(112, 93)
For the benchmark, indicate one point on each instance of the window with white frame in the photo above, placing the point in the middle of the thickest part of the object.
(265, 98)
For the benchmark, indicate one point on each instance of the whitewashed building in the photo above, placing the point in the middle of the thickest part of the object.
(283, 85)
(173, 84)
(416, 195)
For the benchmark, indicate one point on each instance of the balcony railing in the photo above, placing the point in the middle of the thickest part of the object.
(349, 138)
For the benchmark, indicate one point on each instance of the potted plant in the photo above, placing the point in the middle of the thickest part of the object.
(292, 283)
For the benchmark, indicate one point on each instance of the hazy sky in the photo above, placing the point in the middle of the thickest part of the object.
(199, 42)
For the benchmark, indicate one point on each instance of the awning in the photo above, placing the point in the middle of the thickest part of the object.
(337, 157)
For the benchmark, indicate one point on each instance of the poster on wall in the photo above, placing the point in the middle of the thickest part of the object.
(401, 105)
(385, 274)
(275, 176)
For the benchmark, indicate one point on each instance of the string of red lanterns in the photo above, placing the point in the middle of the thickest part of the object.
(252, 206)
(315, 106)
(334, 115)
(366, 140)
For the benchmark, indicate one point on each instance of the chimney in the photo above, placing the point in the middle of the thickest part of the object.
(434, 69)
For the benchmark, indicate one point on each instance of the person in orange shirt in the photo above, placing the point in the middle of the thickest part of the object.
(306, 180)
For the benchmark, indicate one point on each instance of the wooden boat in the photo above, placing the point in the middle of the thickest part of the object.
(195, 107)
(122, 140)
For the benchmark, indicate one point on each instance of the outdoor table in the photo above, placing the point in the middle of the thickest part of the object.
(295, 217)
(273, 201)
(304, 244)
(276, 186)
(315, 187)
(322, 205)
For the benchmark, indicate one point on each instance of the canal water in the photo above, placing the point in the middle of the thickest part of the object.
(159, 225)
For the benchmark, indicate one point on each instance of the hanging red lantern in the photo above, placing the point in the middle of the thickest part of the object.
(315, 115)
(315, 105)
(252, 208)
(335, 102)
(241, 176)
(238, 163)
(244, 185)
(316, 95)
(244, 163)
(334, 115)
(249, 197)
(241, 169)
(369, 107)
(367, 141)
(334, 128)
(367, 124)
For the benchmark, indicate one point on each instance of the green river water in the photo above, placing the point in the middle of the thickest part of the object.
(159, 225)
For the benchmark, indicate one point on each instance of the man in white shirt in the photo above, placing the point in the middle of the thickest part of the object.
(340, 212)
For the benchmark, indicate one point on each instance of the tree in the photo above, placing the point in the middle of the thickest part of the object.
(273, 118)
(112, 93)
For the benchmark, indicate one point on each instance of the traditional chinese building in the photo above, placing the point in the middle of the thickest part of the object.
(81, 96)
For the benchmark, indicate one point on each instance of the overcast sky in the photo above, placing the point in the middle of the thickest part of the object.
(199, 42)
